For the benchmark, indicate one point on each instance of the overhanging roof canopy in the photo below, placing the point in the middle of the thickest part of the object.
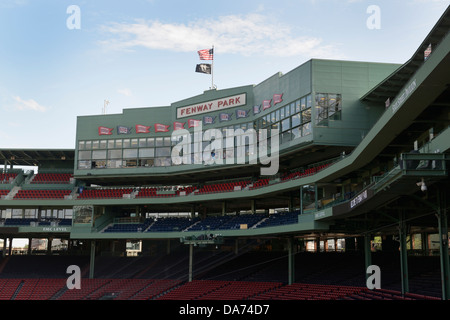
(391, 86)
(33, 157)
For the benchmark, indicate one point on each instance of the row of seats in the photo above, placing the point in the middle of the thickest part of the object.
(104, 193)
(222, 187)
(227, 222)
(45, 178)
(42, 194)
(57, 178)
(303, 173)
(167, 289)
(27, 221)
(7, 177)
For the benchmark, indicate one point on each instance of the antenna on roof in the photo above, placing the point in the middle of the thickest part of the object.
(105, 104)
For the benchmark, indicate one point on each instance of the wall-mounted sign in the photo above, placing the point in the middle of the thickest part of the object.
(210, 106)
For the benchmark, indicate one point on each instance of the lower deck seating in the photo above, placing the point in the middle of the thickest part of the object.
(163, 277)
(167, 289)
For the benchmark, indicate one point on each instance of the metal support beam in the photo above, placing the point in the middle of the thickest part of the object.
(403, 254)
(291, 260)
(191, 258)
(367, 253)
(92, 260)
(301, 199)
(443, 244)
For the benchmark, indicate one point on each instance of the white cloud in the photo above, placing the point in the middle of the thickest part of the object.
(28, 105)
(126, 92)
(248, 35)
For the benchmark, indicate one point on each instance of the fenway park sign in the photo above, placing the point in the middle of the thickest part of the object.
(210, 106)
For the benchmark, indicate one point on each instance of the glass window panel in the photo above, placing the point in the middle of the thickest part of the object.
(159, 142)
(303, 103)
(102, 144)
(295, 120)
(84, 155)
(296, 133)
(134, 143)
(99, 164)
(110, 144)
(281, 113)
(162, 152)
(286, 124)
(131, 163)
(80, 145)
(287, 111)
(98, 154)
(286, 136)
(306, 129)
(129, 153)
(293, 104)
(146, 153)
(273, 117)
(142, 142)
(150, 142)
(126, 143)
(167, 141)
(115, 154)
(84, 164)
(95, 144)
(114, 164)
(88, 145)
(119, 143)
(306, 115)
(146, 162)
(308, 101)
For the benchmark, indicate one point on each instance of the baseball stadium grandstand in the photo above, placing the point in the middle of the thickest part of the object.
(291, 189)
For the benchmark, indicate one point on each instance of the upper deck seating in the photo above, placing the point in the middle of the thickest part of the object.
(52, 178)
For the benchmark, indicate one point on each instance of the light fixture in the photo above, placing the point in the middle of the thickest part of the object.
(422, 185)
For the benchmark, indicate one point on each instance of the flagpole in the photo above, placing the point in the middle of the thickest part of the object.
(212, 70)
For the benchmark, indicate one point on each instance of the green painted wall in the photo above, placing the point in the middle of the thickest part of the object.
(352, 80)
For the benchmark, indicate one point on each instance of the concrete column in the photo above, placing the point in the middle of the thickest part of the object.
(443, 244)
(291, 260)
(92, 260)
(10, 246)
(403, 254)
(191, 258)
(49, 245)
(30, 241)
(4, 247)
(367, 253)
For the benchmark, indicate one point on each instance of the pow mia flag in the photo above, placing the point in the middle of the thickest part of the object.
(203, 68)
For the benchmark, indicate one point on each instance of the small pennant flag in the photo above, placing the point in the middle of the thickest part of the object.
(123, 130)
(277, 98)
(241, 113)
(225, 116)
(208, 120)
(193, 123)
(206, 54)
(161, 127)
(178, 125)
(256, 109)
(104, 131)
(427, 52)
(142, 129)
(266, 104)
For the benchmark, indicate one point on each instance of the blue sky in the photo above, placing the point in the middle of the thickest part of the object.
(140, 53)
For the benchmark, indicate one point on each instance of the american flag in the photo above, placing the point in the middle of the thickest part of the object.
(206, 54)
